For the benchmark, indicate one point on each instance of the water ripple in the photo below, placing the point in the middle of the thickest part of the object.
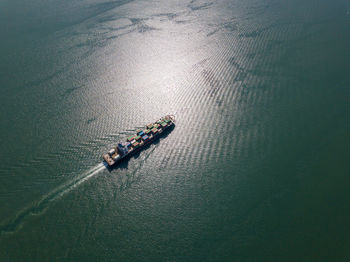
(38, 208)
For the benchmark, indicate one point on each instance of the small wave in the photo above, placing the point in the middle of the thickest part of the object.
(38, 208)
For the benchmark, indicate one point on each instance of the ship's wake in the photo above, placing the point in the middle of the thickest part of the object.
(39, 207)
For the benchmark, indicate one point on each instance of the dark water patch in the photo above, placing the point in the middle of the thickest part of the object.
(213, 32)
(169, 16)
(200, 65)
(116, 36)
(164, 162)
(137, 21)
(229, 26)
(67, 92)
(240, 72)
(143, 28)
(211, 81)
(118, 28)
(90, 120)
(183, 21)
(107, 18)
(86, 43)
(194, 6)
(141, 25)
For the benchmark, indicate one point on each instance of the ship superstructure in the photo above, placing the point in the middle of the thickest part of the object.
(138, 141)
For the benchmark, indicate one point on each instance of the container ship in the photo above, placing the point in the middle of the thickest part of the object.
(137, 142)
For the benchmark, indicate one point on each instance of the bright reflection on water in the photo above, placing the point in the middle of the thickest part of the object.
(260, 92)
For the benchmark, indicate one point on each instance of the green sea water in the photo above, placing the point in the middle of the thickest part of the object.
(256, 169)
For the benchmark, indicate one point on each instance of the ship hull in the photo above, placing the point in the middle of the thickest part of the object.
(146, 144)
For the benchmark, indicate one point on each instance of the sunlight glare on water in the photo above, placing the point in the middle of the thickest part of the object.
(256, 168)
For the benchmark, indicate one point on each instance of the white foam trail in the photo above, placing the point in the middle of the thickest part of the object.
(70, 186)
(39, 207)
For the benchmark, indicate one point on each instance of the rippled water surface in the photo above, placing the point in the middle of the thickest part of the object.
(257, 168)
